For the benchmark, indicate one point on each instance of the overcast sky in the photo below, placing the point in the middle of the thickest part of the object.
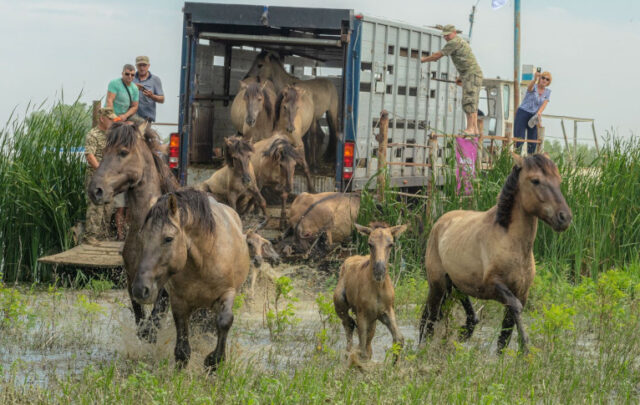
(592, 48)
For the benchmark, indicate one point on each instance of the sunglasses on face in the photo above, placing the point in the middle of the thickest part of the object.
(142, 65)
(545, 78)
(129, 74)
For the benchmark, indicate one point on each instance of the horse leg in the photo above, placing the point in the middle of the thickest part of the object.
(253, 189)
(432, 310)
(515, 306)
(342, 309)
(307, 174)
(472, 319)
(182, 351)
(371, 331)
(224, 320)
(148, 330)
(363, 334)
(389, 320)
(283, 212)
(507, 330)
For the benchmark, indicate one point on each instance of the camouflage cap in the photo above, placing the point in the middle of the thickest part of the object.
(142, 59)
(448, 29)
(107, 112)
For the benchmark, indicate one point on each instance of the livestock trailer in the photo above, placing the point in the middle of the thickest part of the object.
(374, 64)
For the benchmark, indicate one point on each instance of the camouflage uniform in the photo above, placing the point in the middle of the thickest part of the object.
(470, 73)
(98, 217)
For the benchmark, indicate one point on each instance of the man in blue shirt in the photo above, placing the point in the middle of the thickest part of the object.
(122, 94)
(151, 88)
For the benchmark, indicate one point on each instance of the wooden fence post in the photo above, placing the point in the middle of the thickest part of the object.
(382, 137)
(94, 115)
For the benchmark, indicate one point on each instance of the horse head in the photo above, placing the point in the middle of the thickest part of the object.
(237, 156)
(264, 65)
(381, 240)
(289, 101)
(256, 100)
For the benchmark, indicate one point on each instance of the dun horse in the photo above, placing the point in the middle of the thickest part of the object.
(252, 111)
(259, 249)
(489, 255)
(294, 117)
(274, 162)
(194, 246)
(237, 178)
(364, 286)
(130, 165)
(267, 66)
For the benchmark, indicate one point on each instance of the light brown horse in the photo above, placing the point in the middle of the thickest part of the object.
(294, 117)
(489, 255)
(194, 246)
(364, 286)
(274, 163)
(267, 65)
(253, 109)
(259, 250)
(130, 165)
(236, 179)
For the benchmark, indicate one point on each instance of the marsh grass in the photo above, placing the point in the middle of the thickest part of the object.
(42, 181)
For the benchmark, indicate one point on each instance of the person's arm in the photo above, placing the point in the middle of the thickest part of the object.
(431, 58)
(92, 160)
(110, 97)
(158, 98)
(541, 109)
(533, 82)
(132, 110)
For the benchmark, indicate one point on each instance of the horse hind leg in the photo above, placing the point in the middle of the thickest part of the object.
(472, 319)
(224, 320)
(506, 331)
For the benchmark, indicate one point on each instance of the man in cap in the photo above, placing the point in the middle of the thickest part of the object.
(470, 74)
(151, 88)
(98, 217)
(123, 95)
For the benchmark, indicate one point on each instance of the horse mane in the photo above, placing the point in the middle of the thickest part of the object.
(507, 196)
(122, 134)
(282, 149)
(192, 204)
(237, 146)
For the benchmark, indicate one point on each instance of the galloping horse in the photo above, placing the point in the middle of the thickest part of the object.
(130, 165)
(267, 66)
(194, 246)
(489, 255)
(252, 111)
(294, 117)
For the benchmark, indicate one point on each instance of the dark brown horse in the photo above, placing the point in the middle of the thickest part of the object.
(129, 165)
(267, 66)
(253, 109)
(489, 255)
(294, 117)
(194, 246)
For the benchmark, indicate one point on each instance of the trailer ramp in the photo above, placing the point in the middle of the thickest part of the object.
(103, 255)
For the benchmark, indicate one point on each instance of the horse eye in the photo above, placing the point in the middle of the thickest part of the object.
(535, 182)
(168, 239)
(123, 152)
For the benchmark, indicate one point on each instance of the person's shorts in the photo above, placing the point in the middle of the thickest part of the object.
(120, 201)
(471, 85)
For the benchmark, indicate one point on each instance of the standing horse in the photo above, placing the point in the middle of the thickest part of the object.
(194, 246)
(489, 255)
(130, 165)
(236, 178)
(294, 117)
(252, 111)
(274, 162)
(267, 66)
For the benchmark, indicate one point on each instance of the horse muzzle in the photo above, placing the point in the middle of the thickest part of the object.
(250, 121)
(246, 179)
(257, 261)
(561, 220)
(379, 271)
(144, 292)
(98, 195)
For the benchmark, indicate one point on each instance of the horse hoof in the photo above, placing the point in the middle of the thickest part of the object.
(212, 362)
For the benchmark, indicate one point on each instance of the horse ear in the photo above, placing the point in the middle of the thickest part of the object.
(173, 205)
(517, 159)
(363, 229)
(227, 141)
(152, 202)
(545, 154)
(301, 91)
(398, 230)
(243, 85)
(142, 128)
(263, 85)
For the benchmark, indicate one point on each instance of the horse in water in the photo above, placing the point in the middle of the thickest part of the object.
(252, 110)
(489, 255)
(294, 117)
(267, 66)
(193, 246)
(130, 165)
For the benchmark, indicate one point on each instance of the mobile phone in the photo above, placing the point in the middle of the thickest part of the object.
(539, 69)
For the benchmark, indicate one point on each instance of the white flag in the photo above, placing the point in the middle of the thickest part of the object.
(496, 4)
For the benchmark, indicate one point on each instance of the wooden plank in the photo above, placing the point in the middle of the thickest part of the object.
(103, 255)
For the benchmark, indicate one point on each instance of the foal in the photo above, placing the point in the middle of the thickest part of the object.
(489, 255)
(365, 287)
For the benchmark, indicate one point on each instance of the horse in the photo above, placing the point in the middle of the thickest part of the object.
(259, 249)
(274, 162)
(489, 254)
(294, 117)
(195, 247)
(267, 66)
(236, 179)
(130, 165)
(252, 110)
(364, 286)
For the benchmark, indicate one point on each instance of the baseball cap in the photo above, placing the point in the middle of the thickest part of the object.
(446, 30)
(107, 112)
(142, 59)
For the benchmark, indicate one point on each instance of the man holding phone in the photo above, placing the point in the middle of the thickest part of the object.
(150, 88)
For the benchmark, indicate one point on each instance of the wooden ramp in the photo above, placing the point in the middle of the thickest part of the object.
(104, 255)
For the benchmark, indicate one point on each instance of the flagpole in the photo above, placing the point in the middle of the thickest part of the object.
(516, 56)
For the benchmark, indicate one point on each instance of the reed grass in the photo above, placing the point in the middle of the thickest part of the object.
(42, 177)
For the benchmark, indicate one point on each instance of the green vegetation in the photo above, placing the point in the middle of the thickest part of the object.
(282, 315)
(42, 182)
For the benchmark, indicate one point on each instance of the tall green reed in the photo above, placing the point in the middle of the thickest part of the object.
(41, 175)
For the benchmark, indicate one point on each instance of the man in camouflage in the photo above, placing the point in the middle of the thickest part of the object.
(470, 74)
(98, 217)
